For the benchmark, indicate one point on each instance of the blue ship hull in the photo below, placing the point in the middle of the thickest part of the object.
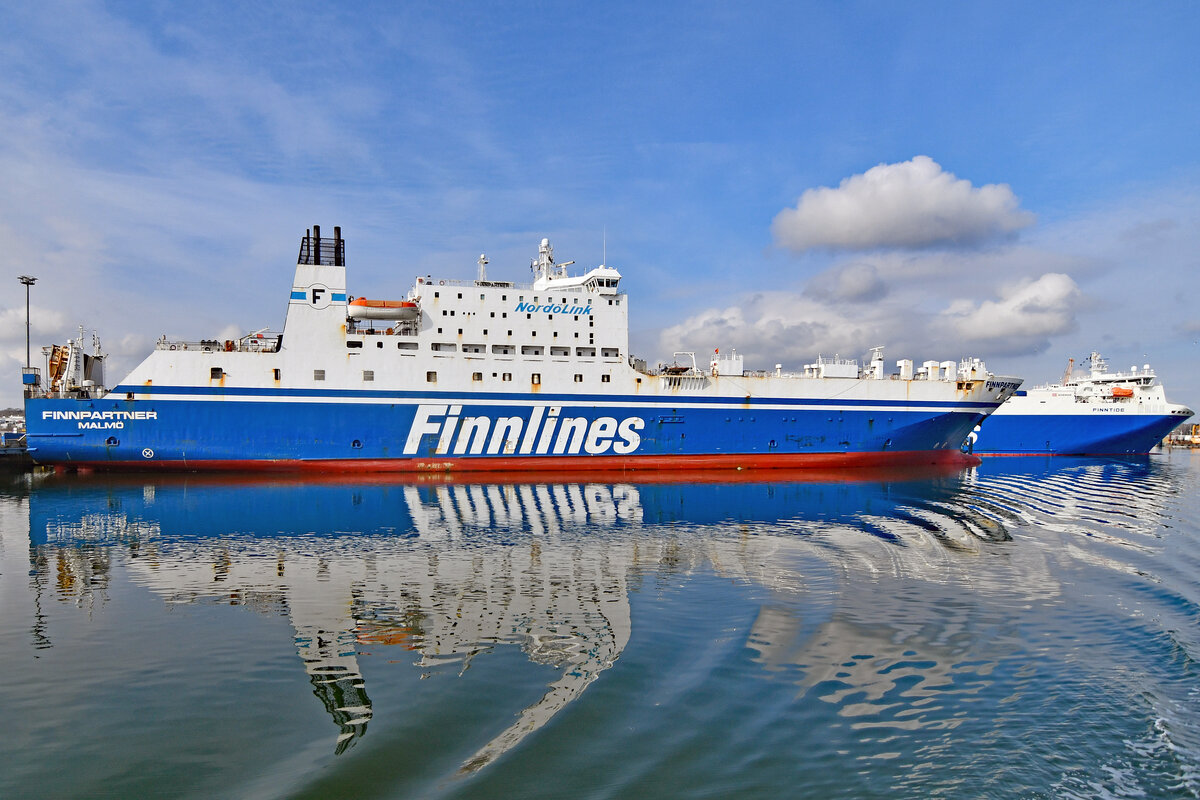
(1073, 434)
(400, 431)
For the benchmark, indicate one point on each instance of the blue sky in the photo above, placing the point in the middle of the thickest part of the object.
(1017, 181)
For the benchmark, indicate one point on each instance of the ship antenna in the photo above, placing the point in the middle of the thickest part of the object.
(483, 262)
(604, 247)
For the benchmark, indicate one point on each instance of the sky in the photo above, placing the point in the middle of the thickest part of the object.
(1013, 181)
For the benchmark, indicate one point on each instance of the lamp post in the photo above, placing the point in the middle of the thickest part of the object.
(28, 281)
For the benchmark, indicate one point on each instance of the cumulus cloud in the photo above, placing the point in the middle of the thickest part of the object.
(855, 283)
(41, 321)
(910, 205)
(1024, 317)
(782, 327)
(918, 320)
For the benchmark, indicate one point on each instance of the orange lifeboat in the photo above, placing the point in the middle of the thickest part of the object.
(362, 308)
(1122, 391)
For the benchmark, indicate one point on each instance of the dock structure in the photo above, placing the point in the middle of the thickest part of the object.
(1184, 436)
(13, 454)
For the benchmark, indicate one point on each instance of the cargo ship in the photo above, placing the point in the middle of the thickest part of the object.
(1097, 412)
(485, 375)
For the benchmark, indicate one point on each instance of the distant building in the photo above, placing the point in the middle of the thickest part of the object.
(1185, 436)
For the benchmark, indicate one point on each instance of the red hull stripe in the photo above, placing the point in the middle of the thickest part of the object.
(572, 464)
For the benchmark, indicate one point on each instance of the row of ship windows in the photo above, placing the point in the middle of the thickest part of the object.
(591, 336)
(358, 343)
(535, 378)
(503, 349)
(504, 315)
(431, 376)
(521, 298)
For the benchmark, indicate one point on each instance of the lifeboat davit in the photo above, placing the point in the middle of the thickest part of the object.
(1122, 391)
(362, 308)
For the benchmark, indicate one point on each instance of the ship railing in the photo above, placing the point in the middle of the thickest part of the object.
(383, 327)
(686, 380)
(528, 287)
(255, 343)
(322, 251)
(89, 392)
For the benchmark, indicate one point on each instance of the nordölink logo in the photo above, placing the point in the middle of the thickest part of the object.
(543, 432)
(554, 309)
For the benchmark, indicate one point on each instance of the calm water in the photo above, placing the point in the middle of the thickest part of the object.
(1027, 628)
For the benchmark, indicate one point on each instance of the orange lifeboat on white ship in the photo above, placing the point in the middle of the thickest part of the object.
(1122, 391)
(362, 308)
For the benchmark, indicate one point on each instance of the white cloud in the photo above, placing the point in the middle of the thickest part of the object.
(914, 319)
(911, 205)
(856, 282)
(782, 327)
(1024, 318)
(41, 322)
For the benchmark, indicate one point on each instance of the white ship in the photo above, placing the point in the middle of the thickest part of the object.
(486, 375)
(1094, 413)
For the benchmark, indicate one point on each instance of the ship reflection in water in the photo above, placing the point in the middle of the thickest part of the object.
(441, 574)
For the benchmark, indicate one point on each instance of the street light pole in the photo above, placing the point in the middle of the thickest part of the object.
(28, 281)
